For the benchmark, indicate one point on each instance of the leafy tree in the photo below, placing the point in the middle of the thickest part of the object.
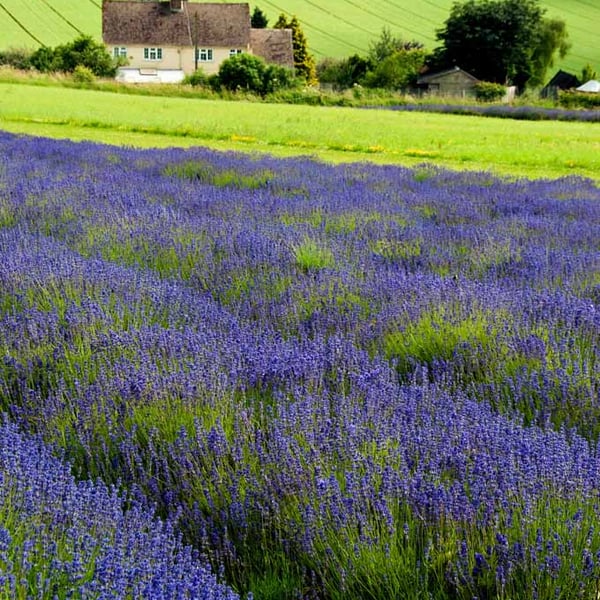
(502, 41)
(83, 51)
(396, 71)
(18, 58)
(242, 72)
(304, 62)
(588, 72)
(388, 44)
(343, 73)
(250, 73)
(551, 38)
(258, 20)
(43, 59)
(87, 52)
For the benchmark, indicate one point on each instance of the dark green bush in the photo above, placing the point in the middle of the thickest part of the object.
(249, 73)
(82, 51)
(396, 71)
(18, 58)
(343, 73)
(43, 60)
(486, 91)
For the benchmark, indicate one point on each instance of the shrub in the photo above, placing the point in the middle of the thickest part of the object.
(43, 59)
(18, 58)
(396, 71)
(486, 91)
(573, 99)
(276, 78)
(83, 74)
(196, 79)
(344, 73)
(84, 51)
(250, 73)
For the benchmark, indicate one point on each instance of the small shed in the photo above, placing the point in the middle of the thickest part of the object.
(452, 82)
(561, 81)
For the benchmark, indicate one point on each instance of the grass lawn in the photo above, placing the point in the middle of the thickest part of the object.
(522, 148)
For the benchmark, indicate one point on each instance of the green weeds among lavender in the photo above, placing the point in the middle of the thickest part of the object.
(331, 382)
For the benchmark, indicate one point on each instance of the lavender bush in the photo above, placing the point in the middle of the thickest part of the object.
(333, 382)
(62, 539)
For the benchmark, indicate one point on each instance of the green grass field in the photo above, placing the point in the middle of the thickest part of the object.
(335, 28)
(521, 148)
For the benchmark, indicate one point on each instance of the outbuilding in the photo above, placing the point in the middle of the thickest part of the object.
(591, 86)
(452, 82)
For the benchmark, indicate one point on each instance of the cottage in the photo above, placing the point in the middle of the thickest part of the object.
(452, 82)
(166, 40)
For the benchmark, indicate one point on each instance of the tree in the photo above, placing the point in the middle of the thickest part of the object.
(304, 62)
(250, 73)
(82, 51)
(551, 38)
(43, 59)
(502, 41)
(258, 20)
(388, 44)
(17, 58)
(588, 72)
(398, 70)
(87, 52)
(343, 73)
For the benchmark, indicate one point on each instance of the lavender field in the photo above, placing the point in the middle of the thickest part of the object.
(225, 376)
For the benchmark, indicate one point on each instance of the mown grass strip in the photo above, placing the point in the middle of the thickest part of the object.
(532, 149)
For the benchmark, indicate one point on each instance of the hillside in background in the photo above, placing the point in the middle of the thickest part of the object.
(337, 28)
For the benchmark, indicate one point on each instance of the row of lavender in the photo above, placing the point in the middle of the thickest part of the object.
(335, 382)
(522, 113)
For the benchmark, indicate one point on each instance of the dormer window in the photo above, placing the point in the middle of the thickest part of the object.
(152, 53)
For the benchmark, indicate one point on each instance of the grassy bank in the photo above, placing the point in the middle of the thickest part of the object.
(532, 149)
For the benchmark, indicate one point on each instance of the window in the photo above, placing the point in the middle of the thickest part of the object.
(235, 51)
(204, 54)
(152, 53)
(120, 52)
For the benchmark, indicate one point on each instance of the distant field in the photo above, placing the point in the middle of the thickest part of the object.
(336, 28)
(523, 148)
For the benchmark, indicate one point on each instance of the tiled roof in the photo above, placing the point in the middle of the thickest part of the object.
(274, 45)
(154, 23)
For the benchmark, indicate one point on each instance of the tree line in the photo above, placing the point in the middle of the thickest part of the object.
(506, 42)
(500, 42)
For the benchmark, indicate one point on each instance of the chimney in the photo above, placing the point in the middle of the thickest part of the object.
(177, 5)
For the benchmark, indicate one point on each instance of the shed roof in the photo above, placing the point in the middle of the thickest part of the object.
(590, 86)
(154, 23)
(431, 78)
(563, 80)
(274, 45)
